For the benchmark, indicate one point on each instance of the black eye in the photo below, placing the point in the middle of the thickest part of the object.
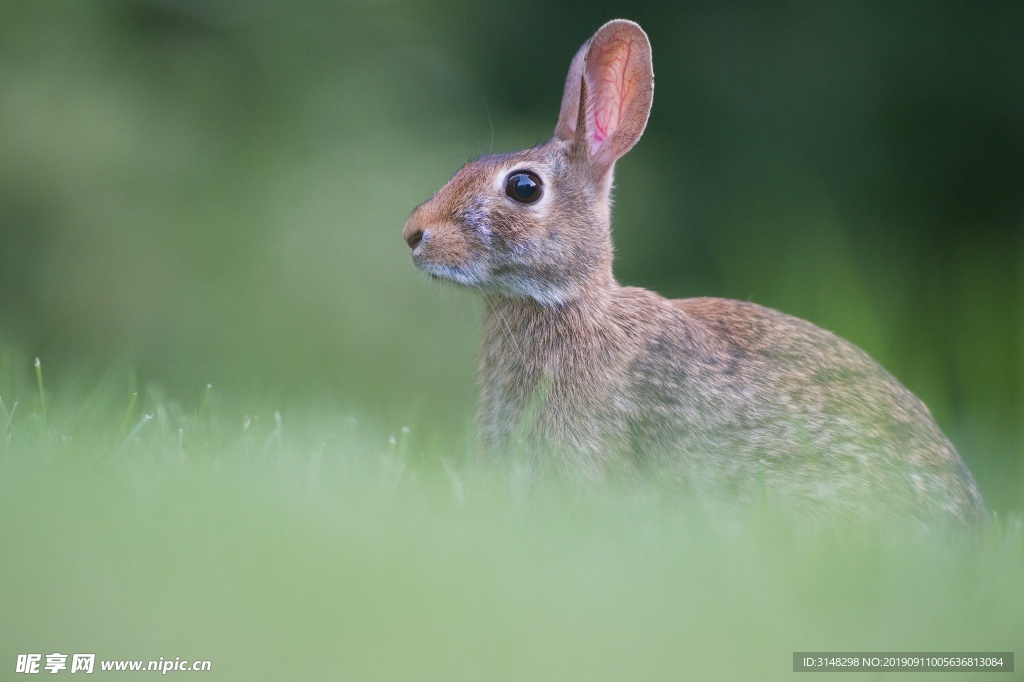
(523, 186)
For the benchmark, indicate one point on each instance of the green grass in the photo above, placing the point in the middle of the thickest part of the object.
(314, 543)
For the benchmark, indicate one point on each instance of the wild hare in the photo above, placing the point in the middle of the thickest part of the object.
(599, 381)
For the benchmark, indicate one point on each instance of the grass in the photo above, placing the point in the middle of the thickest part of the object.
(312, 543)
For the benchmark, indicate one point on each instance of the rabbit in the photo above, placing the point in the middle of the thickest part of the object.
(597, 381)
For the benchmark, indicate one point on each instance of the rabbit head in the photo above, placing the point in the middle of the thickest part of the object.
(535, 224)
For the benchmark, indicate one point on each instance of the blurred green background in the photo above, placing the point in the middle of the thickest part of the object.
(213, 191)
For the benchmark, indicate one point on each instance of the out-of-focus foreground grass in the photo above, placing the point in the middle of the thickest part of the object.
(316, 545)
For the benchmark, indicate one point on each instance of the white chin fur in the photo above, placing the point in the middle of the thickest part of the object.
(474, 276)
(543, 293)
(471, 276)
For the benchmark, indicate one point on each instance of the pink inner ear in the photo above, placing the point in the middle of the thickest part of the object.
(612, 87)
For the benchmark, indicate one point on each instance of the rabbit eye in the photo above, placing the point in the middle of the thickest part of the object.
(523, 186)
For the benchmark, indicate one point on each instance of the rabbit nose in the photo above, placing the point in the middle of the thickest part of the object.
(414, 237)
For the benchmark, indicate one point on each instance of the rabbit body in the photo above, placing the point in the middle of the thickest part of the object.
(598, 381)
(722, 395)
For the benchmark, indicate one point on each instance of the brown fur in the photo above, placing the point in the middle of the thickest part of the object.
(594, 380)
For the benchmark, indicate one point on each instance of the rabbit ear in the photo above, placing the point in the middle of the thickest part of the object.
(570, 111)
(614, 71)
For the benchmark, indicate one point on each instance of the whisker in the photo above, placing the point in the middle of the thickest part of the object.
(508, 331)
